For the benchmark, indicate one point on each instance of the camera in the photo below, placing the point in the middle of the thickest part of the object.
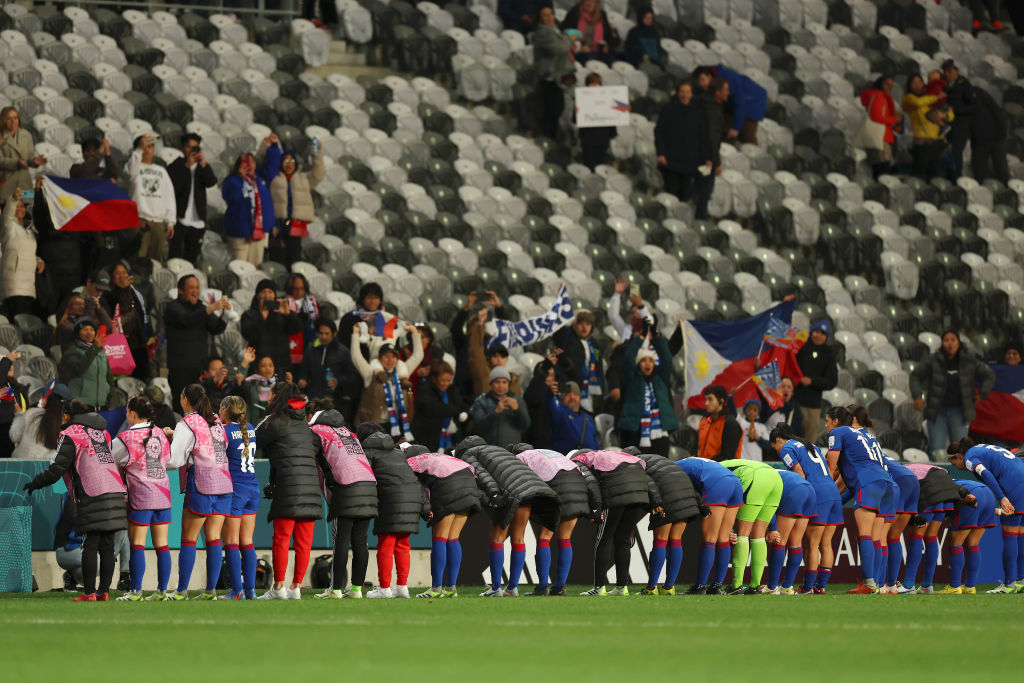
(270, 305)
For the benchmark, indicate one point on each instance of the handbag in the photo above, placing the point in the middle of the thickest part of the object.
(871, 134)
(118, 354)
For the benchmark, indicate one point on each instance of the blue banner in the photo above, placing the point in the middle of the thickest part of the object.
(526, 332)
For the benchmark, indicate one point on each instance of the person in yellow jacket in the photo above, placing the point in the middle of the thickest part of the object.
(929, 140)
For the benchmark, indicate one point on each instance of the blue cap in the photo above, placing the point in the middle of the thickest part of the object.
(824, 326)
(754, 401)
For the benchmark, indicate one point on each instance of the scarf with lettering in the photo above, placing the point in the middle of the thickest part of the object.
(395, 402)
(650, 419)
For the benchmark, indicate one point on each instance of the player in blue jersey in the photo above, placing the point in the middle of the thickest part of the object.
(856, 463)
(1003, 473)
(797, 507)
(721, 491)
(240, 523)
(805, 459)
(971, 519)
(906, 507)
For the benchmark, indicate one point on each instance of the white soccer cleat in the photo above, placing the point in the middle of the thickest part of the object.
(379, 592)
(330, 594)
(274, 594)
(903, 590)
(1000, 589)
(400, 592)
(492, 593)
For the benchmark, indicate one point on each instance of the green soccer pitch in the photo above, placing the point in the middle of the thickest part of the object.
(571, 639)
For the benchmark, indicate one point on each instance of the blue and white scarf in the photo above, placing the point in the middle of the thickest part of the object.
(447, 429)
(395, 402)
(591, 372)
(650, 420)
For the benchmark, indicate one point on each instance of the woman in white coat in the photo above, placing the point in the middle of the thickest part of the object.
(19, 264)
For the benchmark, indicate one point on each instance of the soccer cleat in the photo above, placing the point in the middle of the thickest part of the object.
(819, 590)
(667, 591)
(619, 590)
(379, 592)
(926, 590)
(765, 590)
(804, 591)
(558, 591)
(431, 594)
(449, 592)
(903, 590)
(493, 593)
(274, 594)
(751, 590)
(1017, 587)
(207, 595)
(697, 589)
(538, 590)
(649, 591)
(596, 590)
(102, 597)
(231, 595)
(737, 590)
(85, 597)
(512, 592)
(970, 590)
(330, 594)
(403, 591)
(787, 591)
(175, 595)
(293, 593)
(158, 596)
(250, 593)
(862, 589)
(952, 590)
(354, 593)
(1000, 589)
(131, 596)
(715, 589)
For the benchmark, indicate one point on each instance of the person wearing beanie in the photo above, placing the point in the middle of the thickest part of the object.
(647, 415)
(755, 433)
(85, 366)
(370, 310)
(818, 365)
(643, 42)
(269, 323)
(500, 416)
(387, 392)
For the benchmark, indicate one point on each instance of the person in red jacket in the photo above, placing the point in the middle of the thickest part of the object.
(881, 108)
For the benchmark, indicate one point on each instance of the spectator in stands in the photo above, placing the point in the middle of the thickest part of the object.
(594, 140)
(755, 433)
(89, 305)
(746, 100)
(600, 39)
(960, 97)
(712, 103)
(790, 412)
(85, 366)
(681, 143)
(943, 387)
(499, 416)
(15, 401)
(553, 56)
(521, 15)
(269, 324)
(483, 358)
(220, 381)
(985, 12)
(643, 42)
(189, 324)
(191, 176)
(302, 303)
(370, 310)
(548, 375)
(27, 432)
(96, 162)
(63, 252)
(613, 381)
(719, 436)
(818, 365)
(1012, 355)
(249, 216)
(439, 408)
(572, 427)
(17, 154)
(461, 327)
(881, 109)
(647, 416)
(153, 192)
(293, 205)
(256, 388)
(19, 264)
(581, 356)
(928, 145)
(327, 369)
(431, 355)
(127, 308)
(637, 310)
(323, 13)
(386, 397)
(988, 139)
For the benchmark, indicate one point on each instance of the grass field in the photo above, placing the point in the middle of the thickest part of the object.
(571, 639)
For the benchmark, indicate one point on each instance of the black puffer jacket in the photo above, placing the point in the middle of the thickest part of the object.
(357, 500)
(929, 380)
(678, 497)
(627, 484)
(938, 487)
(293, 449)
(508, 483)
(100, 513)
(456, 493)
(401, 498)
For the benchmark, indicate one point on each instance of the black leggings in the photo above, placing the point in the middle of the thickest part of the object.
(101, 542)
(615, 542)
(350, 531)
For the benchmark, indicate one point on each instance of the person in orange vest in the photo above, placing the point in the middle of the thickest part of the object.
(719, 436)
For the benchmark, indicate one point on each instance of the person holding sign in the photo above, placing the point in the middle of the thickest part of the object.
(594, 141)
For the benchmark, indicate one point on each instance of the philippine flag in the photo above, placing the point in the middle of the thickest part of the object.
(86, 205)
(730, 353)
(1002, 414)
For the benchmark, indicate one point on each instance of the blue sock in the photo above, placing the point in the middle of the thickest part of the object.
(249, 561)
(1020, 557)
(895, 560)
(706, 561)
(517, 560)
(796, 557)
(956, 566)
(438, 559)
(214, 561)
(1009, 557)
(564, 561)
(186, 561)
(453, 562)
(656, 560)
(137, 566)
(931, 556)
(723, 555)
(824, 574)
(163, 567)
(810, 579)
(915, 546)
(234, 561)
(973, 565)
(776, 558)
(867, 557)
(497, 561)
(674, 560)
(543, 560)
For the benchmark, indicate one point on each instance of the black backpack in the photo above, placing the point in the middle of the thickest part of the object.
(320, 577)
(263, 574)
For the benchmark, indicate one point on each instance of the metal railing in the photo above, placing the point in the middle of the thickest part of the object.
(269, 8)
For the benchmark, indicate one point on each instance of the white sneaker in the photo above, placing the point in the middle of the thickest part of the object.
(1000, 589)
(330, 595)
(597, 590)
(619, 590)
(492, 593)
(354, 593)
(903, 590)
(400, 592)
(512, 592)
(379, 592)
(926, 590)
(274, 594)
(293, 593)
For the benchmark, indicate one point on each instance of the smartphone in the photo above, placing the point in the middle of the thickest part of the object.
(102, 331)
(270, 305)
(316, 146)
(28, 194)
(634, 290)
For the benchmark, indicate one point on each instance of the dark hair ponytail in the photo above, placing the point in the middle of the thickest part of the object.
(860, 414)
(280, 394)
(961, 446)
(317, 405)
(141, 406)
(48, 432)
(841, 415)
(200, 402)
(784, 431)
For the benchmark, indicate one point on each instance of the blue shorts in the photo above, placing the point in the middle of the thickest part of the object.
(981, 517)
(1011, 520)
(1016, 496)
(204, 505)
(798, 501)
(878, 496)
(727, 491)
(944, 506)
(829, 508)
(149, 517)
(245, 501)
(909, 492)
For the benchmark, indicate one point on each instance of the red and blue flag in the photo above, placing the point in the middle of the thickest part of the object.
(78, 205)
(1002, 414)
